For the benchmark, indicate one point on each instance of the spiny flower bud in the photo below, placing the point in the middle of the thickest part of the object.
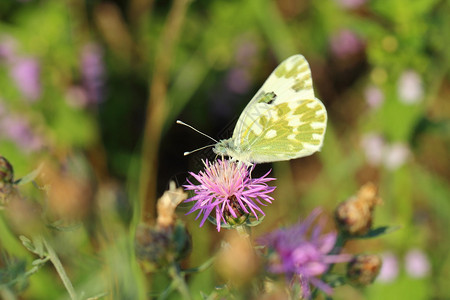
(363, 269)
(156, 246)
(354, 216)
(6, 178)
(166, 241)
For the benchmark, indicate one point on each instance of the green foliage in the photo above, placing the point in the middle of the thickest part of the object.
(102, 73)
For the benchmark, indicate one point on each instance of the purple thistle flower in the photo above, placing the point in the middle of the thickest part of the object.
(227, 188)
(303, 257)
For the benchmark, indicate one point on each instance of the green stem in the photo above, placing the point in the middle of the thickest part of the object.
(179, 282)
(60, 269)
(244, 231)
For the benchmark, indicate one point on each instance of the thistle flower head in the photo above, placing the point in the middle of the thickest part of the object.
(302, 257)
(226, 189)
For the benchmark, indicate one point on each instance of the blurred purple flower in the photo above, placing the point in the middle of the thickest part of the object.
(417, 264)
(19, 130)
(301, 257)
(389, 269)
(238, 81)
(227, 188)
(373, 146)
(25, 72)
(7, 48)
(374, 96)
(345, 43)
(76, 96)
(245, 52)
(350, 4)
(409, 87)
(395, 155)
(93, 72)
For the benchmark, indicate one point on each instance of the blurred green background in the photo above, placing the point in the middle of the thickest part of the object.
(91, 89)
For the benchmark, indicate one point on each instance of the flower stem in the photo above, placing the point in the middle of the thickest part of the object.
(60, 269)
(244, 231)
(157, 108)
(178, 281)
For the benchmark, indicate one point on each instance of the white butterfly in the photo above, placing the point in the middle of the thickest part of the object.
(284, 120)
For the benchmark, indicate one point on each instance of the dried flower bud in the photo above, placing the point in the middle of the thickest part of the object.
(354, 216)
(167, 203)
(363, 269)
(6, 178)
(167, 240)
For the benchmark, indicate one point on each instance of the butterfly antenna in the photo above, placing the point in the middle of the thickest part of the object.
(196, 130)
(190, 152)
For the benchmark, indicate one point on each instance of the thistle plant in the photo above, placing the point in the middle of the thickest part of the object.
(301, 257)
(228, 194)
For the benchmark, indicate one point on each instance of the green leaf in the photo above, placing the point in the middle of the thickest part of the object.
(29, 177)
(27, 243)
(373, 233)
(59, 226)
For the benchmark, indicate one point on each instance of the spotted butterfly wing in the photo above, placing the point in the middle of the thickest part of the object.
(284, 120)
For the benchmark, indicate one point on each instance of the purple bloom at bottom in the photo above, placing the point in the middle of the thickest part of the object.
(302, 257)
(227, 190)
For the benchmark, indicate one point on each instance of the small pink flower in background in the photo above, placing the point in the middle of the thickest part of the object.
(378, 152)
(345, 43)
(409, 87)
(227, 190)
(374, 96)
(389, 268)
(373, 145)
(302, 257)
(93, 72)
(350, 4)
(417, 264)
(19, 130)
(245, 51)
(395, 155)
(76, 96)
(26, 71)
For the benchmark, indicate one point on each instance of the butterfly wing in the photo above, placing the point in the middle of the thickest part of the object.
(284, 120)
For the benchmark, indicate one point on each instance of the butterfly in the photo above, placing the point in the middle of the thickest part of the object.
(283, 121)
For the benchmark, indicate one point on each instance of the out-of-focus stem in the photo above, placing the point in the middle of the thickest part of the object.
(60, 269)
(179, 282)
(156, 109)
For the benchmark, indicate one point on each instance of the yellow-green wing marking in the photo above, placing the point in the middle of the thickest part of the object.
(286, 133)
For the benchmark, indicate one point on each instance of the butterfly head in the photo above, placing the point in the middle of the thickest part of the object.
(224, 147)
